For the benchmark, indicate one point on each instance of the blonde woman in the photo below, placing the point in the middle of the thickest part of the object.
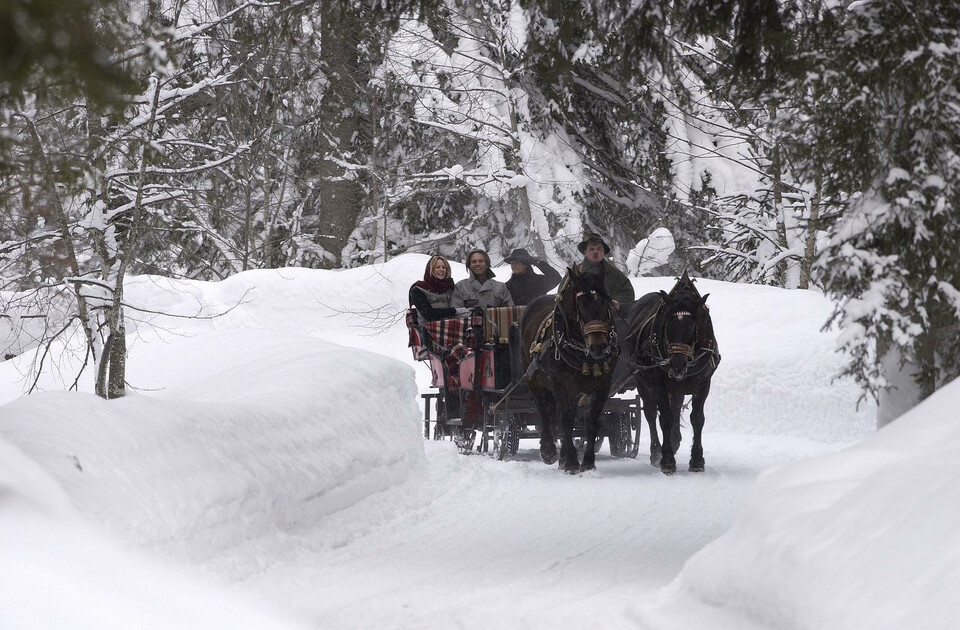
(432, 296)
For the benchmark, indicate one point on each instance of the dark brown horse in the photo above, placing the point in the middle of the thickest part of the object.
(569, 352)
(673, 351)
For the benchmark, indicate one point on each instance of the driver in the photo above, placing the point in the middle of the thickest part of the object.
(618, 287)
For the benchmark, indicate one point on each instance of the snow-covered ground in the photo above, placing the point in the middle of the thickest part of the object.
(269, 472)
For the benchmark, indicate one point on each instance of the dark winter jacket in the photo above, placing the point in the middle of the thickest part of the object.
(614, 281)
(526, 287)
(431, 306)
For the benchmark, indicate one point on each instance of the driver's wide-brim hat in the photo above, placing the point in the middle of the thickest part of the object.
(593, 237)
(520, 255)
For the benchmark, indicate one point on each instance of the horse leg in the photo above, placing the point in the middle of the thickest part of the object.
(569, 461)
(650, 413)
(676, 406)
(668, 462)
(696, 419)
(597, 403)
(546, 406)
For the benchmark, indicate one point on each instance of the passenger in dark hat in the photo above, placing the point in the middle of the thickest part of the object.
(594, 250)
(525, 285)
(480, 289)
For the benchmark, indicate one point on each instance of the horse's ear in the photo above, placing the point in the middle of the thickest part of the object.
(573, 272)
(664, 296)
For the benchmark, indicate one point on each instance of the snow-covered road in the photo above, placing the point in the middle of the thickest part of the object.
(470, 542)
(276, 448)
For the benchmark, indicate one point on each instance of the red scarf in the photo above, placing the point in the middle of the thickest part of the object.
(432, 284)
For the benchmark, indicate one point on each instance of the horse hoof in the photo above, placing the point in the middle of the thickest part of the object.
(570, 465)
(655, 459)
(668, 467)
(668, 471)
(585, 467)
(697, 466)
(548, 455)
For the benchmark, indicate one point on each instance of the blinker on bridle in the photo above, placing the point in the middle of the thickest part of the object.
(681, 348)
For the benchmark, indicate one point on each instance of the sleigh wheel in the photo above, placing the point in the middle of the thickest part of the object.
(506, 438)
(620, 434)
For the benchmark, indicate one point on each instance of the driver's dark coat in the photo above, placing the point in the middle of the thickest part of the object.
(614, 281)
(526, 287)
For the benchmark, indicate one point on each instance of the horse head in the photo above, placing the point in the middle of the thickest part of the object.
(684, 311)
(586, 299)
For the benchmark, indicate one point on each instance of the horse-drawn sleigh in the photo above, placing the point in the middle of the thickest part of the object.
(546, 371)
(481, 400)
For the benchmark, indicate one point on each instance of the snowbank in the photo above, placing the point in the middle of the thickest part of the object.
(864, 538)
(242, 434)
(245, 432)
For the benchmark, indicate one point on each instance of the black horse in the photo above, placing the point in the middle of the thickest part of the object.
(569, 351)
(674, 353)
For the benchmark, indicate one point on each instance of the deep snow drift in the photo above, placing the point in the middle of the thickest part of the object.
(289, 425)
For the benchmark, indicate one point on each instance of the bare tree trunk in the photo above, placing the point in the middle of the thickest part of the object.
(112, 376)
(116, 382)
(776, 174)
(247, 227)
(519, 198)
(341, 197)
(809, 250)
(776, 177)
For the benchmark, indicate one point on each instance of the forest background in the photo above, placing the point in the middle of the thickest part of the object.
(803, 144)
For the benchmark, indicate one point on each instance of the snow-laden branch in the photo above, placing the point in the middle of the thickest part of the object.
(156, 170)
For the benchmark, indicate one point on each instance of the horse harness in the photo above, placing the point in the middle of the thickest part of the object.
(650, 355)
(554, 334)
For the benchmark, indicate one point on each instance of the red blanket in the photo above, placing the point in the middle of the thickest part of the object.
(443, 334)
(448, 332)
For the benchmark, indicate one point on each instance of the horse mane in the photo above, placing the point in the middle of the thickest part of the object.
(685, 284)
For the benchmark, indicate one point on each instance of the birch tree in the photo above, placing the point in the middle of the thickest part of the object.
(115, 177)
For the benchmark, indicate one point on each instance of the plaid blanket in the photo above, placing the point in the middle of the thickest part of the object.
(443, 334)
(448, 332)
(496, 322)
